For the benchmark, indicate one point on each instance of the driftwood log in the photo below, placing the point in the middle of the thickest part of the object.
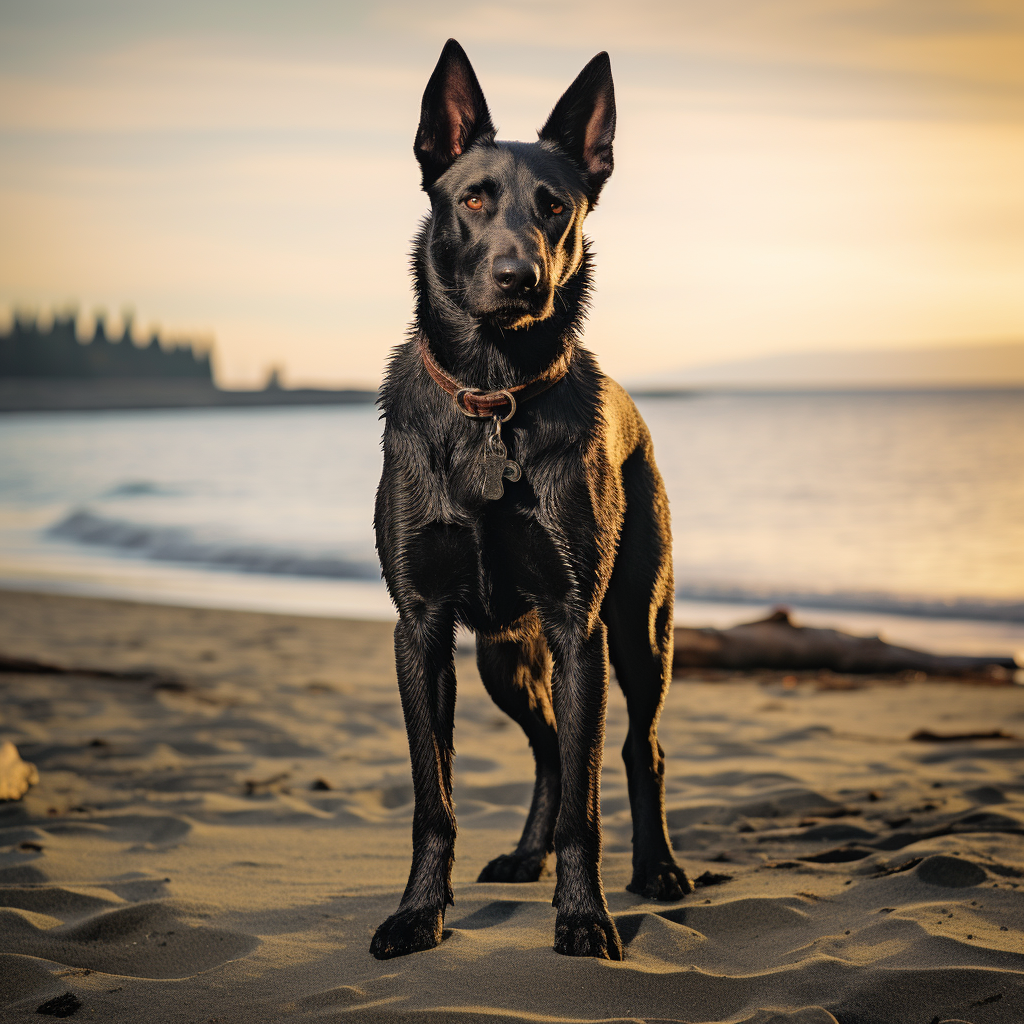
(776, 643)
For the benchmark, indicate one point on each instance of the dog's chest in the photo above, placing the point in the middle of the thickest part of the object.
(513, 545)
(481, 468)
(519, 563)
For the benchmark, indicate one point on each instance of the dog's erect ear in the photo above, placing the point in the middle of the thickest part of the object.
(583, 123)
(453, 115)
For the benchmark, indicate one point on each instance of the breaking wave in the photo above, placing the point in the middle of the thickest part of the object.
(177, 544)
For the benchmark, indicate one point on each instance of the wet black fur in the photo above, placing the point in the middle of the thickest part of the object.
(573, 564)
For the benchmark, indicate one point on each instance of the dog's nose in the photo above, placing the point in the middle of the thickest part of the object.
(514, 275)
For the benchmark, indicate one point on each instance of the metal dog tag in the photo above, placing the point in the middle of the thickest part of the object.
(498, 467)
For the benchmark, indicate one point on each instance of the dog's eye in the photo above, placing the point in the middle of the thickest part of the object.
(474, 203)
(556, 209)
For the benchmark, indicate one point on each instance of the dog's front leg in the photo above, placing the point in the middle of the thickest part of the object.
(583, 926)
(424, 642)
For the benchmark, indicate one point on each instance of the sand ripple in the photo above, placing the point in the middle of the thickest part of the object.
(223, 848)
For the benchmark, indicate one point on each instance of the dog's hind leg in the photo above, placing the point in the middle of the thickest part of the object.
(517, 675)
(424, 649)
(638, 612)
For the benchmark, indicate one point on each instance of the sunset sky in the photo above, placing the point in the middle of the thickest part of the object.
(790, 174)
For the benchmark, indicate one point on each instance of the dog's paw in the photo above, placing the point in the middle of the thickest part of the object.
(407, 931)
(661, 880)
(514, 867)
(587, 935)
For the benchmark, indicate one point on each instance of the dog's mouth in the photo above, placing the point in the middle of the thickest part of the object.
(516, 313)
(510, 320)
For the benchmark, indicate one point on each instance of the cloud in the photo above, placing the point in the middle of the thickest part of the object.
(962, 55)
(795, 173)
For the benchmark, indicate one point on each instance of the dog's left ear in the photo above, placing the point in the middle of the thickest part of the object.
(583, 123)
(453, 115)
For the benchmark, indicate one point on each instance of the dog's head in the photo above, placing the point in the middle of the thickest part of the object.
(507, 218)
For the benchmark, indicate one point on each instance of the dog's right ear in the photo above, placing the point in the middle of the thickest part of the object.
(453, 115)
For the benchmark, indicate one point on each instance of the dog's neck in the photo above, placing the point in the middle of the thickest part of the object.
(477, 359)
(481, 355)
(485, 404)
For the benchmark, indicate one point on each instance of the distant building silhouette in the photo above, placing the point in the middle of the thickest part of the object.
(29, 351)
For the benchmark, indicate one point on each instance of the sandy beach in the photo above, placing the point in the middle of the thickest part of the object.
(223, 818)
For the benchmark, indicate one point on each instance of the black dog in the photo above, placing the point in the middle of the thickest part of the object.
(554, 572)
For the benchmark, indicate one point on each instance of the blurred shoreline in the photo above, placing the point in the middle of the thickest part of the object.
(368, 601)
(47, 395)
(26, 395)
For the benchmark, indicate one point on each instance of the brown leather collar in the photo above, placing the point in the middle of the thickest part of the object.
(481, 404)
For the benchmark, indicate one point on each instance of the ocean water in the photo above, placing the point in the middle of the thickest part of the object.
(863, 508)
